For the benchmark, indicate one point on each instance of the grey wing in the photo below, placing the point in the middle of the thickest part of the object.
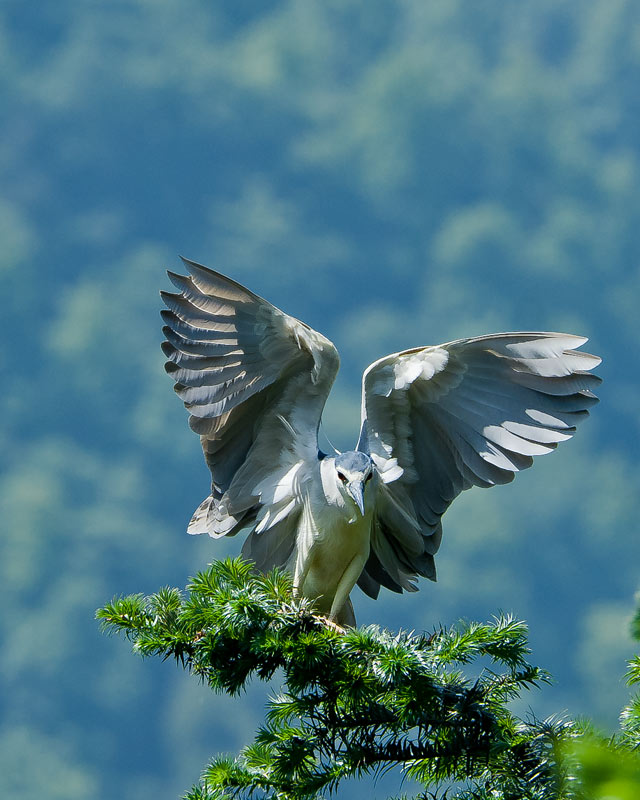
(254, 381)
(438, 420)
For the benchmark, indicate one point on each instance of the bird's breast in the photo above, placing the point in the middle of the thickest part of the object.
(329, 538)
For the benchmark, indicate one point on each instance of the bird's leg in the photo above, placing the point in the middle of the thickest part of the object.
(347, 582)
(300, 574)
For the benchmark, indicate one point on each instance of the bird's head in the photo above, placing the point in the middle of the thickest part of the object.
(354, 471)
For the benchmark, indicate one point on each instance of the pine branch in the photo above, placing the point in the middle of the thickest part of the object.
(353, 703)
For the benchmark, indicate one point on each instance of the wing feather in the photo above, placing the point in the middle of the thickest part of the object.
(196, 333)
(183, 342)
(202, 300)
(255, 381)
(468, 413)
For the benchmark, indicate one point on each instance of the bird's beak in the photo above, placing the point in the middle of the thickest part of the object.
(356, 490)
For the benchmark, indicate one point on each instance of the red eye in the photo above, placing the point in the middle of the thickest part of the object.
(342, 477)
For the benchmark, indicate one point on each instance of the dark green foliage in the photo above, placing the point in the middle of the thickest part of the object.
(630, 717)
(635, 625)
(352, 703)
(609, 767)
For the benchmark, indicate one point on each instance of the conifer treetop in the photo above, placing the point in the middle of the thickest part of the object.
(352, 703)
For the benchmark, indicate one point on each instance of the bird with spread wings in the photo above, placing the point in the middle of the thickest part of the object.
(435, 420)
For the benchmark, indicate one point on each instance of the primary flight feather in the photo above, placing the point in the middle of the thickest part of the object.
(435, 420)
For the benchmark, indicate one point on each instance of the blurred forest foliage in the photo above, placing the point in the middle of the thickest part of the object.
(394, 174)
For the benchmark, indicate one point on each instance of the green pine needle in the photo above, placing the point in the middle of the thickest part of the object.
(360, 702)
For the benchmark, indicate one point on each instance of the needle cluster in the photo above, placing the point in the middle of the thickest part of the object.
(358, 702)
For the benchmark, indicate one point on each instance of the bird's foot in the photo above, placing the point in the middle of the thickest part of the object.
(329, 623)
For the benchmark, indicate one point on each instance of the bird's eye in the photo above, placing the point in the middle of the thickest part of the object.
(369, 476)
(342, 477)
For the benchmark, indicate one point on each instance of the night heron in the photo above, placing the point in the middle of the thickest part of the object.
(435, 420)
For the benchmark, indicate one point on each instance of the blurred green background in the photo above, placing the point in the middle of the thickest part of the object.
(394, 174)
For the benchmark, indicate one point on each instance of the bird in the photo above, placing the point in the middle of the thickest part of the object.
(435, 420)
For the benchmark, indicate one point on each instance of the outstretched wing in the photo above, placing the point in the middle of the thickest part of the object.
(254, 381)
(437, 420)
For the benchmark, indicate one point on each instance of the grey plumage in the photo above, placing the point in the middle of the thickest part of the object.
(435, 421)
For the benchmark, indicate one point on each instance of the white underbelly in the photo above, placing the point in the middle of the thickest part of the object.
(328, 544)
